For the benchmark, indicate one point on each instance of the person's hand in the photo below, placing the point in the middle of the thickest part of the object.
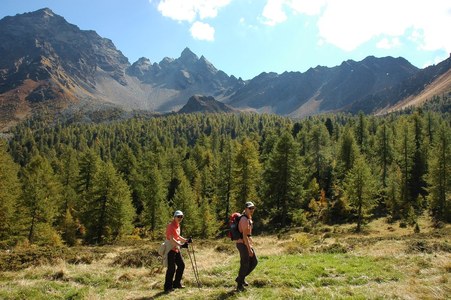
(184, 245)
(190, 240)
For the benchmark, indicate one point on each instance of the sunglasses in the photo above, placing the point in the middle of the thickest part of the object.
(251, 208)
(180, 217)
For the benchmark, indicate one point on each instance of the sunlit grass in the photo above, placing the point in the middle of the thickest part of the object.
(379, 264)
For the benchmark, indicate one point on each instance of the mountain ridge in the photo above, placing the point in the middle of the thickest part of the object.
(48, 63)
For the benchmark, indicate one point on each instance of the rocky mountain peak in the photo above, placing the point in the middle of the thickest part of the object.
(140, 67)
(45, 12)
(188, 57)
(204, 104)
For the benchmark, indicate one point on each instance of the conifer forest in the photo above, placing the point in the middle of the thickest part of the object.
(77, 183)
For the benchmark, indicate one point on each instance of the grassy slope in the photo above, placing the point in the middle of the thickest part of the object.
(385, 262)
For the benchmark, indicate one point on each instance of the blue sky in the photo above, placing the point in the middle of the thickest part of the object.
(247, 37)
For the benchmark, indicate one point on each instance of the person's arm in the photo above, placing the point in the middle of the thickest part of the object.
(176, 242)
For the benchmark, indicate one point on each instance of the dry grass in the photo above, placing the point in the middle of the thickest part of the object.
(318, 270)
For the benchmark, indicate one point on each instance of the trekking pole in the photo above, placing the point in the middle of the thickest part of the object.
(195, 262)
(196, 274)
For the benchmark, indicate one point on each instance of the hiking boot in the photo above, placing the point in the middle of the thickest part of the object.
(245, 283)
(240, 287)
(179, 286)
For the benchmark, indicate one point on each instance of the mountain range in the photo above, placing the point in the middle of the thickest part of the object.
(47, 64)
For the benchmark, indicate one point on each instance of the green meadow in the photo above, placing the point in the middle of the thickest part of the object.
(384, 262)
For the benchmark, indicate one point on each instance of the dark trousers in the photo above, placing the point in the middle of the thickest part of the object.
(247, 263)
(174, 258)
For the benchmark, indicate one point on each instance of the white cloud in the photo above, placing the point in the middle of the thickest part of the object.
(348, 24)
(308, 7)
(189, 10)
(274, 11)
(386, 43)
(202, 31)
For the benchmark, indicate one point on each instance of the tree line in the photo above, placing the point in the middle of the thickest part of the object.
(95, 183)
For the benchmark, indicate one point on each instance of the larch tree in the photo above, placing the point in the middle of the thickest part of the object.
(318, 156)
(225, 178)
(405, 151)
(185, 200)
(283, 181)
(439, 176)
(108, 211)
(10, 192)
(156, 209)
(348, 151)
(360, 188)
(417, 184)
(384, 151)
(362, 134)
(68, 223)
(40, 201)
(247, 172)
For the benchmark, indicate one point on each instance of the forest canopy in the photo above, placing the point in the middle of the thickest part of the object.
(95, 183)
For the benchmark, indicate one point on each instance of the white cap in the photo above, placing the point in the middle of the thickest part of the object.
(249, 204)
(178, 213)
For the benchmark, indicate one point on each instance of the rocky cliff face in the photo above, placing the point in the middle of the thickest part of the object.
(48, 64)
(205, 104)
(42, 46)
(322, 89)
(45, 61)
(187, 75)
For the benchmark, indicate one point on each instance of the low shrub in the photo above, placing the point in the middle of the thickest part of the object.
(148, 258)
(19, 259)
(226, 248)
(427, 247)
(333, 248)
(299, 243)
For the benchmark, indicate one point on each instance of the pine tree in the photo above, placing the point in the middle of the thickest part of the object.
(40, 202)
(225, 179)
(417, 182)
(283, 181)
(439, 176)
(348, 151)
(89, 165)
(384, 151)
(10, 192)
(362, 132)
(360, 188)
(318, 156)
(393, 192)
(127, 165)
(247, 170)
(185, 200)
(108, 211)
(405, 152)
(68, 223)
(156, 210)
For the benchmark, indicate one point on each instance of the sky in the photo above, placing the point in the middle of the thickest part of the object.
(247, 37)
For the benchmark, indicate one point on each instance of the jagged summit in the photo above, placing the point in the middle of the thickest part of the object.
(188, 56)
(204, 104)
(48, 63)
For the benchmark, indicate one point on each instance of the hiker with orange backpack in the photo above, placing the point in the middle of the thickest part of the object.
(248, 258)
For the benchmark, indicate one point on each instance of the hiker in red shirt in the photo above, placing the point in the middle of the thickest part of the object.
(174, 256)
(248, 258)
